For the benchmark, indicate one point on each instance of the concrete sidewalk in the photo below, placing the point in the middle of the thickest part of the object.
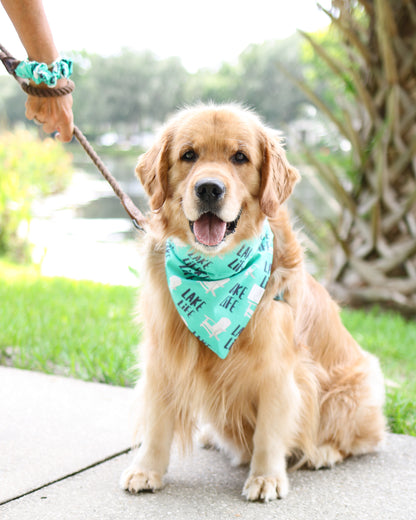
(63, 447)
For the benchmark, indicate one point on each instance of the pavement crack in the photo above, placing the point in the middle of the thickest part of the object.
(69, 475)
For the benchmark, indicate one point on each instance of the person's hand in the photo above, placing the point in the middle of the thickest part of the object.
(53, 113)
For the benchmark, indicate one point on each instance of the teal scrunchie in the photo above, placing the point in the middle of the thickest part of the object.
(42, 73)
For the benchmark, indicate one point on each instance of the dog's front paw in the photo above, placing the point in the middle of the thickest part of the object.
(136, 480)
(266, 488)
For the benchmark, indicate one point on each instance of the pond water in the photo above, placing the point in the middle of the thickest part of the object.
(84, 232)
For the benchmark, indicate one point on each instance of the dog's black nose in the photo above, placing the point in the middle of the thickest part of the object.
(210, 190)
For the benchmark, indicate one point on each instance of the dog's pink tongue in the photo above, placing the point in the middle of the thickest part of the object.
(209, 229)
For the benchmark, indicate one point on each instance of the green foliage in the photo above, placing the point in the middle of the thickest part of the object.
(317, 73)
(256, 81)
(12, 101)
(62, 326)
(133, 92)
(207, 85)
(262, 84)
(29, 168)
(133, 89)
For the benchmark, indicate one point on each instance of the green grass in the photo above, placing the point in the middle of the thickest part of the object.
(392, 339)
(62, 326)
(86, 330)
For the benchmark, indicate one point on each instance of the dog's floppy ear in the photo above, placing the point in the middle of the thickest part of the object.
(278, 177)
(152, 170)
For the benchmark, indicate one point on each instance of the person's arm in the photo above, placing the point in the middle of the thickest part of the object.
(31, 24)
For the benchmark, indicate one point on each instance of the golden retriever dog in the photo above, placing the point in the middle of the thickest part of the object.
(289, 384)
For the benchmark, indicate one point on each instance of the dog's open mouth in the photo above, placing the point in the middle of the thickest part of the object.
(210, 230)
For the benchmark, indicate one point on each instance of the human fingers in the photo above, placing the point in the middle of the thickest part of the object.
(33, 106)
(65, 121)
(54, 114)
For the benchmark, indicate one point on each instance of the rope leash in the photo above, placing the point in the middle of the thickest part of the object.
(138, 219)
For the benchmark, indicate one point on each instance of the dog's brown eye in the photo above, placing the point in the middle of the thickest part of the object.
(239, 158)
(189, 156)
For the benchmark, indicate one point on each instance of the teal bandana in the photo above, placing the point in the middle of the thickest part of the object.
(217, 295)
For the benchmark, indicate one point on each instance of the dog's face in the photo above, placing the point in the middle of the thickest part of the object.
(213, 175)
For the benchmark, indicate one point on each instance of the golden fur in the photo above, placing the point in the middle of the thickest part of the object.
(295, 382)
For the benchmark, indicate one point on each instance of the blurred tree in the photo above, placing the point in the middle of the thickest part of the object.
(135, 91)
(375, 255)
(29, 168)
(12, 101)
(131, 90)
(255, 81)
(219, 86)
(262, 84)
(167, 88)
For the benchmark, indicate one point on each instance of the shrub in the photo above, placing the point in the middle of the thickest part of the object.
(30, 168)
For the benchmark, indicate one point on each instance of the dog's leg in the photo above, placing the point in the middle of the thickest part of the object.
(352, 420)
(276, 423)
(209, 438)
(152, 458)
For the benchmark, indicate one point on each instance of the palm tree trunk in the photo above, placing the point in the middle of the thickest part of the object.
(374, 258)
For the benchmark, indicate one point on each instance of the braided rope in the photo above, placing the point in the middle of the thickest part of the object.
(138, 219)
(47, 92)
(9, 62)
